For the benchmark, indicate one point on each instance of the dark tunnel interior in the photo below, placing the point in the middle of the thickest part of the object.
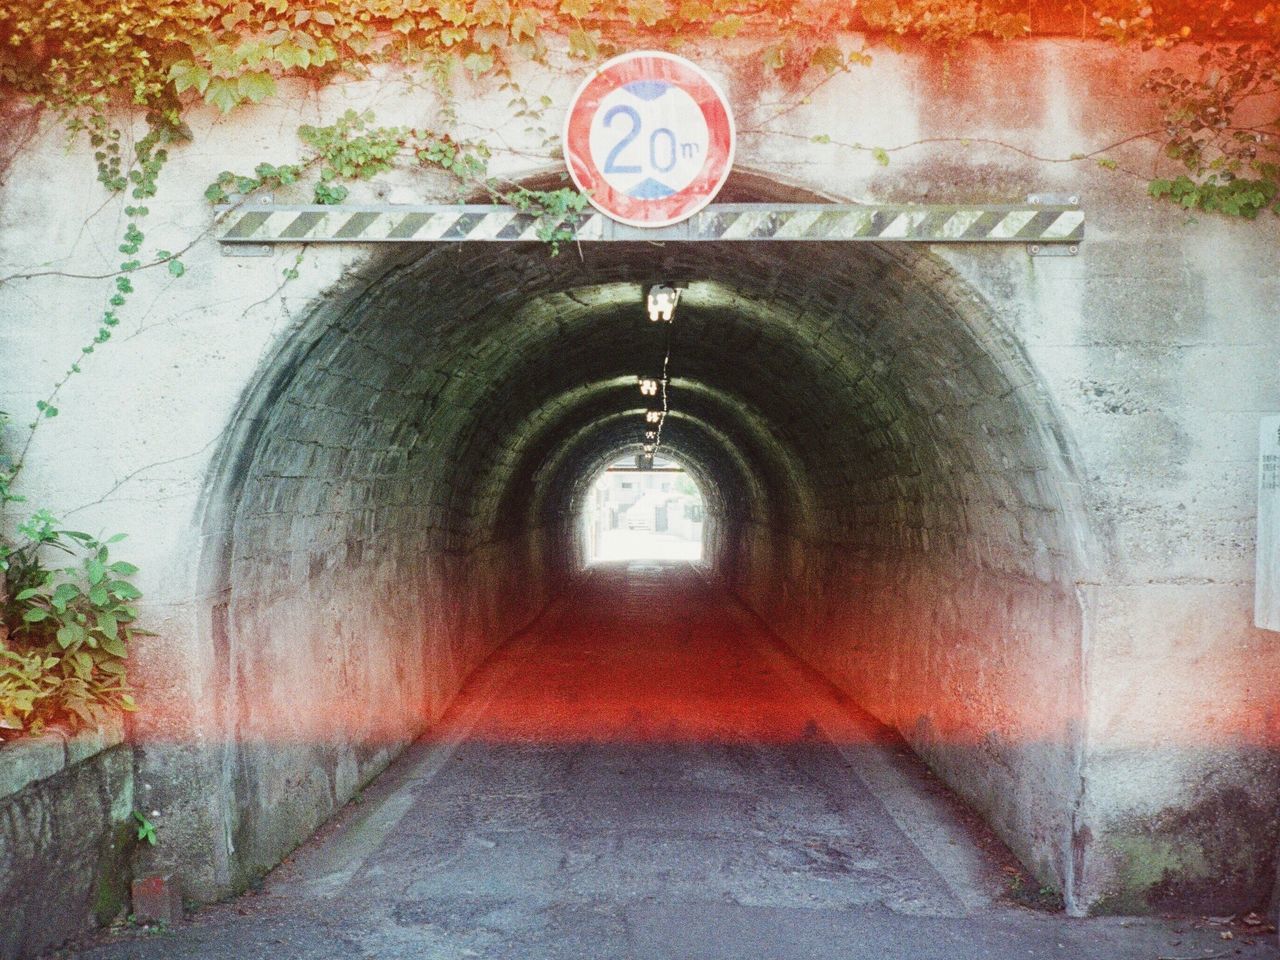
(886, 488)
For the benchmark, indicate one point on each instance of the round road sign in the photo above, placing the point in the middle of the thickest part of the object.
(649, 139)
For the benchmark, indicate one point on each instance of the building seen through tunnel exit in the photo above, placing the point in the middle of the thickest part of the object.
(636, 510)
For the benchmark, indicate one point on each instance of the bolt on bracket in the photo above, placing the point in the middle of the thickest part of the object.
(1053, 249)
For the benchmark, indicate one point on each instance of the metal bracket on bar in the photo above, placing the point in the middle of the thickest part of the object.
(246, 249)
(1053, 249)
(1054, 199)
(259, 249)
(1042, 249)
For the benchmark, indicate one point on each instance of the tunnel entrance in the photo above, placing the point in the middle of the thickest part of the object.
(637, 509)
(885, 486)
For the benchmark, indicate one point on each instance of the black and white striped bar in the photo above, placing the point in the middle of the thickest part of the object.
(1024, 223)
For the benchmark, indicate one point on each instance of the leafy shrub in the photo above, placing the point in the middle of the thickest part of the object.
(64, 631)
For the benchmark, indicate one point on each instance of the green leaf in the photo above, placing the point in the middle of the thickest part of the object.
(83, 664)
(222, 93)
(525, 24)
(187, 75)
(65, 593)
(582, 44)
(1010, 26)
(487, 38)
(67, 635)
(291, 55)
(146, 829)
(727, 27)
(829, 58)
(115, 647)
(326, 194)
(478, 63)
(225, 60)
(97, 570)
(77, 706)
(176, 269)
(881, 156)
(35, 615)
(123, 590)
(98, 596)
(452, 11)
(27, 594)
(648, 12)
(107, 624)
(256, 87)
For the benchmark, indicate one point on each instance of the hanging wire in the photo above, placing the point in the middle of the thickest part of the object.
(666, 363)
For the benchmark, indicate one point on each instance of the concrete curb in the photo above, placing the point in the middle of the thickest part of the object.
(32, 759)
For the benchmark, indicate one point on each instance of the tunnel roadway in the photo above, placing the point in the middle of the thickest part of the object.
(646, 774)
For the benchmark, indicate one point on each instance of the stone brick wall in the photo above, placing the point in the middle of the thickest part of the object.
(66, 807)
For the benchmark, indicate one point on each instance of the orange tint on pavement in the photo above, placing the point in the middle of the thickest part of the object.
(645, 652)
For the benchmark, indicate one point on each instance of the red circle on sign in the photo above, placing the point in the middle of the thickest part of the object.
(649, 67)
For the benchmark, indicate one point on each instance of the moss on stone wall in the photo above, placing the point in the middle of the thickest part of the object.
(1202, 857)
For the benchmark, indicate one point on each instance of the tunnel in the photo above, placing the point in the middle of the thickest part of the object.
(887, 489)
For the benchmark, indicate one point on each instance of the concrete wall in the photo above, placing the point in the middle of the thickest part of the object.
(979, 672)
(936, 582)
(1006, 501)
(66, 833)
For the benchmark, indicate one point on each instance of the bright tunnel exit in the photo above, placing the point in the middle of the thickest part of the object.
(638, 511)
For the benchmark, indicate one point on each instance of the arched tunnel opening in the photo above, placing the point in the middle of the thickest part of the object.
(644, 505)
(887, 489)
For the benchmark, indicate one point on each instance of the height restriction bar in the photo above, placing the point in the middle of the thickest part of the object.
(1044, 227)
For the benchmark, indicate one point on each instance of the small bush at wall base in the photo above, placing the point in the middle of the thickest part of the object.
(64, 631)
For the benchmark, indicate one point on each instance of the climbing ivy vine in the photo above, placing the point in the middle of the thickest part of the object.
(353, 148)
(64, 630)
(80, 57)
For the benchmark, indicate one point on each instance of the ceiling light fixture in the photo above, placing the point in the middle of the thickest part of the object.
(648, 387)
(662, 302)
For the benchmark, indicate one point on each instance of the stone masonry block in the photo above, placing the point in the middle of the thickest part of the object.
(157, 899)
(85, 744)
(28, 760)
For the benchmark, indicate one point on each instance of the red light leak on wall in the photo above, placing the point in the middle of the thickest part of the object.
(641, 654)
